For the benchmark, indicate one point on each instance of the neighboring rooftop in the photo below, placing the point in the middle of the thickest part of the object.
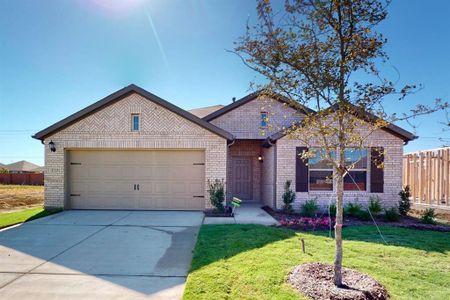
(22, 166)
(38, 170)
(204, 111)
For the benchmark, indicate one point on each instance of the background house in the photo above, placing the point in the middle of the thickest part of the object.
(22, 172)
(23, 167)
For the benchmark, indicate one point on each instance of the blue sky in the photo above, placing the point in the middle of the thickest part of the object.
(56, 57)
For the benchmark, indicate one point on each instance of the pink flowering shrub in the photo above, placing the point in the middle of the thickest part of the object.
(307, 222)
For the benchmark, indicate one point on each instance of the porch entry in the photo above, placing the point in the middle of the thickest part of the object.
(242, 178)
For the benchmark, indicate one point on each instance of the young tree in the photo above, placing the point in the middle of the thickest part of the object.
(324, 54)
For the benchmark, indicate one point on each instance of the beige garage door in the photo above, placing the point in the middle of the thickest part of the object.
(136, 179)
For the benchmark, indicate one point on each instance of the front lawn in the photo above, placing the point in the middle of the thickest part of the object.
(12, 218)
(252, 261)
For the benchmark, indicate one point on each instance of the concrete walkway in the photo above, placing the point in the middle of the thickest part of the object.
(248, 213)
(99, 255)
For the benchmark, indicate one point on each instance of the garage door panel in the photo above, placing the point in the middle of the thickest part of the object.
(100, 171)
(196, 188)
(197, 171)
(161, 188)
(167, 179)
(181, 188)
(77, 171)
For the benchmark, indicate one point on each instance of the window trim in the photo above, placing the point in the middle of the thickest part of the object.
(332, 169)
(265, 120)
(361, 170)
(138, 122)
(366, 183)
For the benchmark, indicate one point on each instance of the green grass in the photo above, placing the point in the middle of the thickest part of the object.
(12, 218)
(252, 262)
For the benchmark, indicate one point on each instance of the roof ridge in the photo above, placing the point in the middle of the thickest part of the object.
(251, 97)
(120, 94)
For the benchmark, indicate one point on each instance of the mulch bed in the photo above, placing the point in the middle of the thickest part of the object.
(215, 213)
(316, 281)
(405, 222)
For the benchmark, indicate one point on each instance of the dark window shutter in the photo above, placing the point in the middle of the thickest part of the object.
(376, 170)
(301, 171)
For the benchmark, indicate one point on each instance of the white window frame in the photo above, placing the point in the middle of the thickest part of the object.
(323, 170)
(132, 122)
(361, 170)
(333, 172)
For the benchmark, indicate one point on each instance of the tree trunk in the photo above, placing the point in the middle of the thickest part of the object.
(338, 231)
(339, 208)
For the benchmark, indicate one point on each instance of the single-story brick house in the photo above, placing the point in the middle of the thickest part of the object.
(134, 150)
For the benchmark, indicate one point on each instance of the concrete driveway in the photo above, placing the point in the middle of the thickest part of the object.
(99, 255)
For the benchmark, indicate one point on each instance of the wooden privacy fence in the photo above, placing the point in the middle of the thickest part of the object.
(27, 178)
(428, 175)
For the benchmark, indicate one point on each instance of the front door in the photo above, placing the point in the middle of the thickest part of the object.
(242, 178)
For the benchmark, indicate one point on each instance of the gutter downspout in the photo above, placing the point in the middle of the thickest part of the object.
(274, 197)
(228, 157)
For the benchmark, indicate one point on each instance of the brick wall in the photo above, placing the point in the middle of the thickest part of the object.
(268, 176)
(244, 122)
(110, 128)
(393, 146)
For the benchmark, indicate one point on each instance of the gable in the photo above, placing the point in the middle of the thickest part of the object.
(366, 120)
(244, 120)
(111, 121)
(115, 119)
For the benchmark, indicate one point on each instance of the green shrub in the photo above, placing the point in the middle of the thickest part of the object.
(428, 216)
(353, 209)
(217, 194)
(391, 214)
(375, 206)
(288, 197)
(364, 215)
(332, 209)
(404, 204)
(309, 208)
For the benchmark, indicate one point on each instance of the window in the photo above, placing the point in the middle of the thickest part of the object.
(135, 122)
(320, 172)
(356, 160)
(264, 120)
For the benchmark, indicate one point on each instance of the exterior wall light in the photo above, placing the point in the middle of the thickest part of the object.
(260, 158)
(52, 147)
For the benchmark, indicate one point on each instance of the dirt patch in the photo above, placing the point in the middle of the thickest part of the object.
(442, 215)
(20, 196)
(316, 281)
